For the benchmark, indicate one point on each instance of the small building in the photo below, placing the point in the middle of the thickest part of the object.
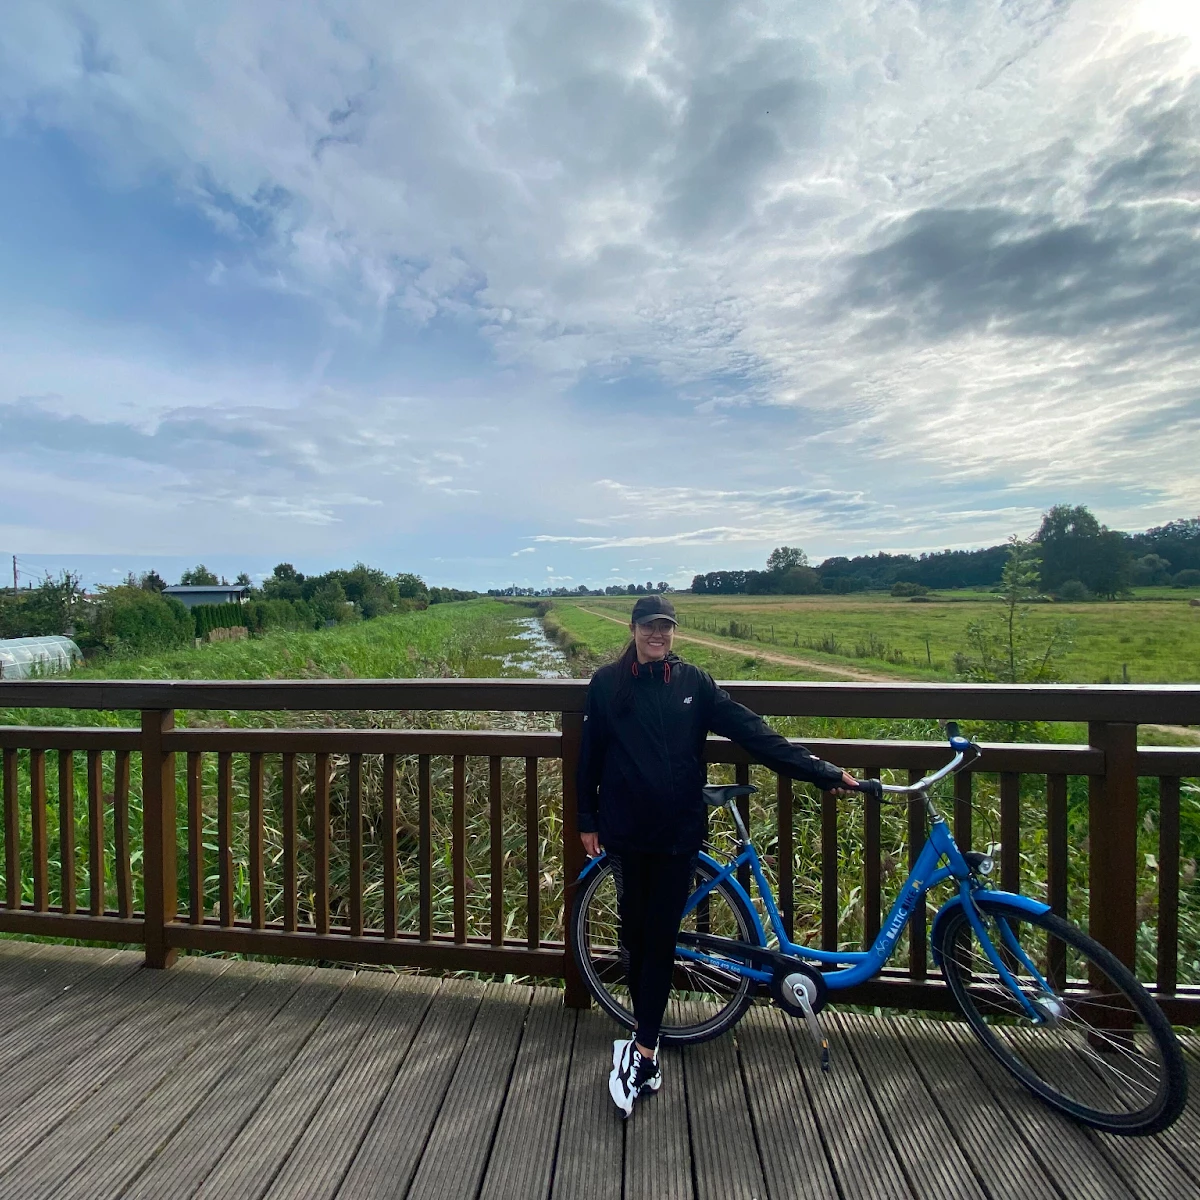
(193, 595)
(22, 657)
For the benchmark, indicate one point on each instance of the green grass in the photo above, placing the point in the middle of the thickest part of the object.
(1155, 640)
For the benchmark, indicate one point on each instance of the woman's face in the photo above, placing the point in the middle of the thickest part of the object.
(652, 639)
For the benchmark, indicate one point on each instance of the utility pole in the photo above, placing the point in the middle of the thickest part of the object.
(14, 574)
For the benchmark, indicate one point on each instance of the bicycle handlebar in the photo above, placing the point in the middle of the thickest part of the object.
(961, 746)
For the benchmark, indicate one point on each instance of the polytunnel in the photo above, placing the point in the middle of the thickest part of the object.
(22, 657)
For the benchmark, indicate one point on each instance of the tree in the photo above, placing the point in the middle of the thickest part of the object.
(199, 576)
(1076, 546)
(1008, 649)
(411, 587)
(284, 583)
(1151, 570)
(662, 587)
(152, 581)
(784, 558)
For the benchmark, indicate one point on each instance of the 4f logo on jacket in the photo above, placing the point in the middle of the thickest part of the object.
(687, 699)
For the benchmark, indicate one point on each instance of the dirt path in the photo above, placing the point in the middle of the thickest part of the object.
(1182, 733)
(786, 660)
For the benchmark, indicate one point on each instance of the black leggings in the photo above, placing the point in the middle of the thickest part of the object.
(651, 892)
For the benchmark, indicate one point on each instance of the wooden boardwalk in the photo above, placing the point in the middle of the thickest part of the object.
(236, 1079)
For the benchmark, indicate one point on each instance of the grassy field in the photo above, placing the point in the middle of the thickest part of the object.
(1155, 639)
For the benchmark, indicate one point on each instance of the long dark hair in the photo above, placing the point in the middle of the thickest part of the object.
(623, 696)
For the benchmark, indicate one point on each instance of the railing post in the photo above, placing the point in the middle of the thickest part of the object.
(577, 995)
(158, 835)
(1112, 839)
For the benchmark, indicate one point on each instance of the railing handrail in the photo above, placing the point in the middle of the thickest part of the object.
(1127, 703)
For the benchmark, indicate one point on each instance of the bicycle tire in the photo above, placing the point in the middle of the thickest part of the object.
(601, 970)
(1123, 1076)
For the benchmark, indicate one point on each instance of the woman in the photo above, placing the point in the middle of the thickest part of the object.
(641, 772)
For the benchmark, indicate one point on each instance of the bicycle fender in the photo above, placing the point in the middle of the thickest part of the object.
(592, 865)
(984, 897)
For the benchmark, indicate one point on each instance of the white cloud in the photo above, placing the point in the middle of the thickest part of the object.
(759, 210)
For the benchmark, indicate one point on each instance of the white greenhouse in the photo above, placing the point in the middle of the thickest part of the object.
(22, 657)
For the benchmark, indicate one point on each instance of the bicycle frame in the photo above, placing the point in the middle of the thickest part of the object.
(927, 873)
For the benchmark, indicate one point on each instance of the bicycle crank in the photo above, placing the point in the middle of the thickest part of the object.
(800, 990)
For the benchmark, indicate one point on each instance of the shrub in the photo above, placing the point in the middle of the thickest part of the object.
(1073, 591)
(1187, 579)
(904, 588)
(128, 618)
(208, 617)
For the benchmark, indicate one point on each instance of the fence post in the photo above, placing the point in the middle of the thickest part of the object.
(158, 835)
(577, 995)
(1112, 839)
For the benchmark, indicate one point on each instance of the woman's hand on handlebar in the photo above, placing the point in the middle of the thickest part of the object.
(591, 844)
(849, 784)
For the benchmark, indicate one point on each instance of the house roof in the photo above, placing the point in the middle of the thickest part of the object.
(206, 587)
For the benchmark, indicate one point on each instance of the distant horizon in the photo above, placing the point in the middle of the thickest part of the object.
(105, 570)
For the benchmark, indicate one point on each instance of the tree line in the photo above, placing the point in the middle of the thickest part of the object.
(1080, 557)
(137, 616)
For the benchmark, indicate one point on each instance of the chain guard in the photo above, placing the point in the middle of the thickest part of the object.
(782, 991)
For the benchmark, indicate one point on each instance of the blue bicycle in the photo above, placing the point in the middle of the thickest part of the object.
(1056, 1008)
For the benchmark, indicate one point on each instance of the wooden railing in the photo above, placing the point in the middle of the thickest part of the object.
(463, 858)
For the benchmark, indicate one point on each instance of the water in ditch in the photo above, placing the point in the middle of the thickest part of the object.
(537, 654)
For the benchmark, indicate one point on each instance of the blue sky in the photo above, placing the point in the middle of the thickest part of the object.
(559, 293)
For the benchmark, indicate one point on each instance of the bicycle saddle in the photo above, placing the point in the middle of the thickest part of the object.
(717, 795)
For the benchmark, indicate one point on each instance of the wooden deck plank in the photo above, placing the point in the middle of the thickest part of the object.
(31, 981)
(1183, 1138)
(79, 1056)
(260, 1149)
(795, 1161)
(131, 1145)
(1062, 1147)
(56, 992)
(912, 1118)
(983, 1130)
(58, 1148)
(521, 1165)
(197, 1147)
(318, 1162)
(390, 1154)
(1147, 1165)
(861, 1152)
(724, 1151)
(591, 1143)
(658, 1151)
(456, 1154)
(250, 1079)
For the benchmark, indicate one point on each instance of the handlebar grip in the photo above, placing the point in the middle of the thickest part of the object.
(958, 743)
(870, 787)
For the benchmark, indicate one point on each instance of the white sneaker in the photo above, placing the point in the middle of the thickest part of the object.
(632, 1074)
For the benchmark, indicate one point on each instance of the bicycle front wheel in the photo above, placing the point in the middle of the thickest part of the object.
(1100, 1049)
(704, 1001)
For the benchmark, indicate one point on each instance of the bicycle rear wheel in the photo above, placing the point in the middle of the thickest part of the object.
(1102, 1052)
(704, 1001)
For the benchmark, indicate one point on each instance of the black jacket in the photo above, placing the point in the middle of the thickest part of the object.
(641, 771)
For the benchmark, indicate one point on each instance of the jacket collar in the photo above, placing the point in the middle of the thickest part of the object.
(659, 670)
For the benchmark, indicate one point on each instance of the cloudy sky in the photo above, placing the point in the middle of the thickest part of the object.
(563, 292)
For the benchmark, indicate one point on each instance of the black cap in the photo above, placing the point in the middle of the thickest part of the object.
(652, 608)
